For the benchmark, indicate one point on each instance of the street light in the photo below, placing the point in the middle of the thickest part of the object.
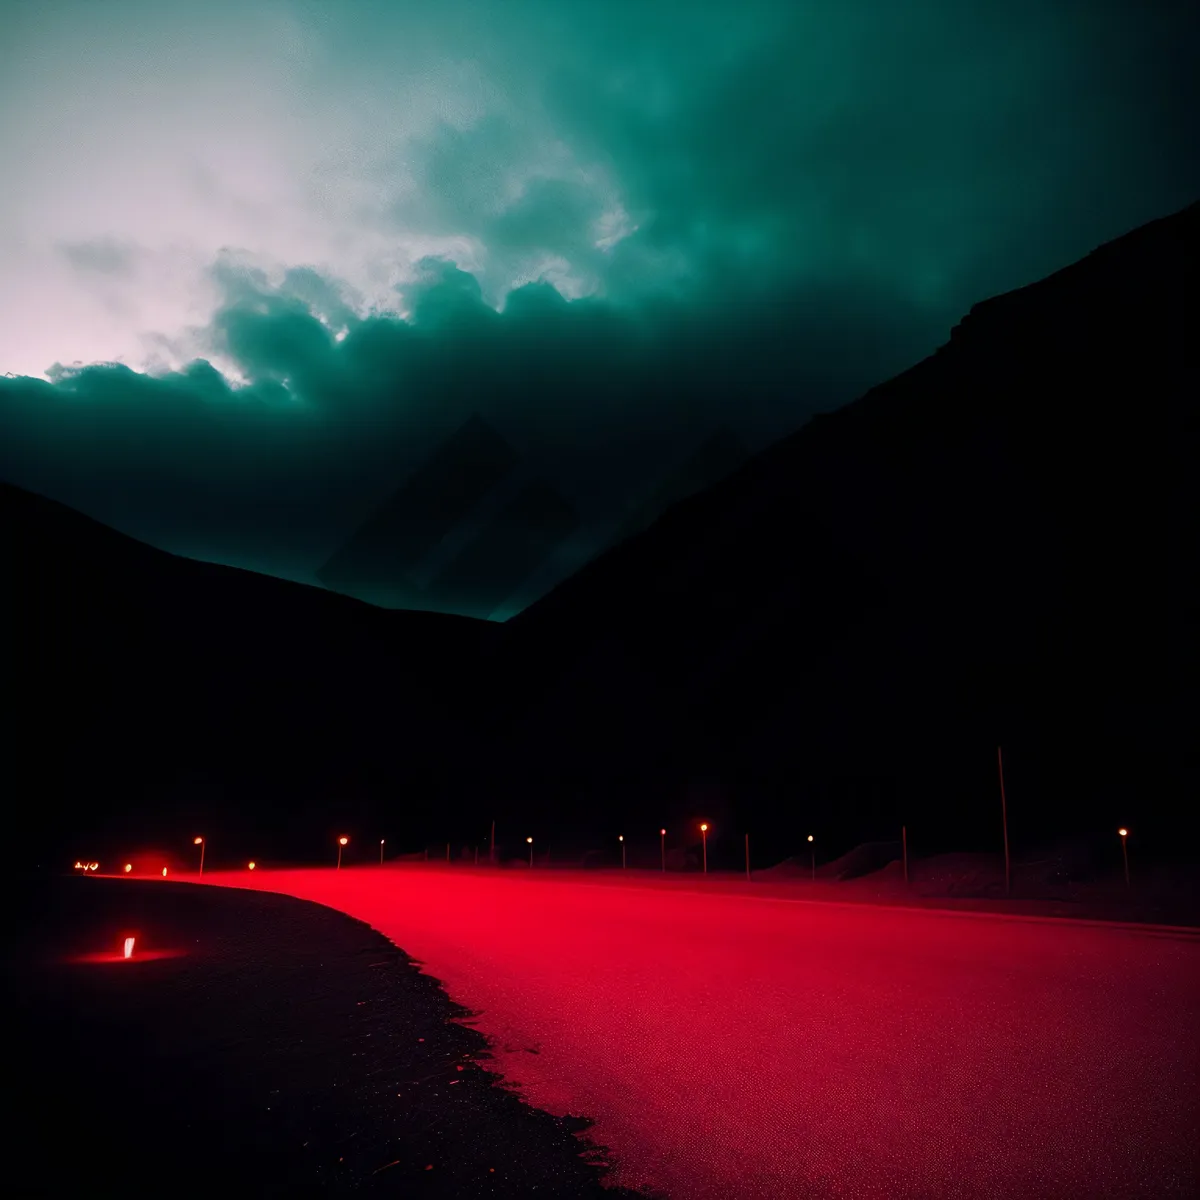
(662, 840)
(381, 852)
(621, 839)
(199, 841)
(1125, 852)
(341, 843)
(704, 840)
(251, 865)
(530, 841)
(814, 858)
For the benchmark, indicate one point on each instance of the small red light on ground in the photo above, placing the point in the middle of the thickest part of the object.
(129, 947)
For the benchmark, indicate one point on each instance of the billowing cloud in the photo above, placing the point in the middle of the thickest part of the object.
(284, 248)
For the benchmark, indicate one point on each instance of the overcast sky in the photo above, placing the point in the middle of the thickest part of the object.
(305, 240)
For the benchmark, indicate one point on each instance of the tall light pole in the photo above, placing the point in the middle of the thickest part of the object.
(662, 841)
(1004, 818)
(814, 857)
(530, 841)
(704, 844)
(1125, 852)
(341, 843)
(199, 841)
(381, 840)
(621, 839)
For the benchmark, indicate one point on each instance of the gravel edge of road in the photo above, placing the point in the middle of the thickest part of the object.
(380, 1085)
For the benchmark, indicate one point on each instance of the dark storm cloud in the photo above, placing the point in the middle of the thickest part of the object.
(756, 211)
(598, 400)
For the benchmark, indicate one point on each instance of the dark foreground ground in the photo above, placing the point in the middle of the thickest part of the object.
(255, 1045)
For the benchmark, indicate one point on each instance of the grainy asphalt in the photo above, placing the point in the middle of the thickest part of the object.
(736, 1047)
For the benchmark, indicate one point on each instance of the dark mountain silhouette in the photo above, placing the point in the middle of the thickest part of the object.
(715, 458)
(996, 546)
(378, 561)
(159, 688)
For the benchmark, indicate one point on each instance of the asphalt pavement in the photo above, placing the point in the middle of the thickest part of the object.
(733, 1045)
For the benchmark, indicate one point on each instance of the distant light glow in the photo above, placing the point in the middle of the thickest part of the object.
(620, 837)
(197, 841)
(1123, 832)
(128, 868)
(342, 841)
(250, 866)
(164, 872)
(129, 947)
(663, 832)
(529, 840)
(704, 828)
(95, 866)
(810, 837)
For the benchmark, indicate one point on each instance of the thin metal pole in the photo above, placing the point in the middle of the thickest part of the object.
(704, 836)
(447, 851)
(381, 852)
(203, 845)
(1125, 855)
(1004, 816)
(662, 837)
(904, 843)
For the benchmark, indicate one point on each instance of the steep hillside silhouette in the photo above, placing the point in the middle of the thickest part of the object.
(997, 546)
(159, 688)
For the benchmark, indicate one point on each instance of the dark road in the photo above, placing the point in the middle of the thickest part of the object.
(731, 1045)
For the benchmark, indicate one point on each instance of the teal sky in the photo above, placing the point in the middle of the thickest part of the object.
(258, 258)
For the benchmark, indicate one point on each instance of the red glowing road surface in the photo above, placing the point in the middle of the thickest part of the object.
(737, 1046)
